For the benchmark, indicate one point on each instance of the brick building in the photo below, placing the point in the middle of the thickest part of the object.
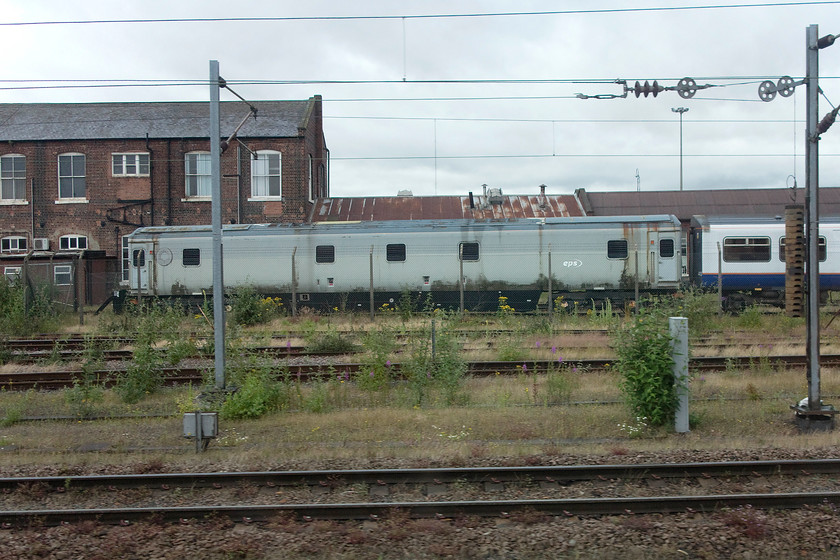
(76, 178)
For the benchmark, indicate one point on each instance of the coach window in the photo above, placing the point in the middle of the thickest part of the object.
(71, 178)
(325, 253)
(197, 169)
(13, 244)
(746, 249)
(139, 258)
(265, 174)
(468, 251)
(63, 274)
(72, 243)
(395, 252)
(191, 257)
(821, 250)
(617, 249)
(666, 248)
(12, 179)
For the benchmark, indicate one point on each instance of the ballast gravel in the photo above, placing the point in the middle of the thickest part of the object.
(742, 533)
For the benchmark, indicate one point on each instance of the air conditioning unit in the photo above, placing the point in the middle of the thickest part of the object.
(41, 244)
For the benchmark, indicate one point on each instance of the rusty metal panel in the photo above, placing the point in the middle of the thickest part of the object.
(444, 208)
(716, 202)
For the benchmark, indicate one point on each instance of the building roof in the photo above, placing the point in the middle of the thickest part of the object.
(378, 208)
(723, 202)
(98, 121)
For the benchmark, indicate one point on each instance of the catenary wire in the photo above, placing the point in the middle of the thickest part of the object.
(423, 16)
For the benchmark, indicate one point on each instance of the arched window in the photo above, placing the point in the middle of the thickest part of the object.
(13, 244)
(72, 243)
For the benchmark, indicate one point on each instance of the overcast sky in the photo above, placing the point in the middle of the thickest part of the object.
(432, 135)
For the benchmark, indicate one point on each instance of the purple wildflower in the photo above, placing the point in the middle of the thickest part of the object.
(371, 373)
(538, 344)
(574, 370)
(388, 363)
(524, 367)
(553, 349)
(559, 359)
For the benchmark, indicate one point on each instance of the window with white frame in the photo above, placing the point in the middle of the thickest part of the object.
(71, 176)
(126, 261)
(12, 273)
(198, 174)
(63, 274)
(13, 244)
(72, 242)
(12, 177)
(130, 165)
(265, 174)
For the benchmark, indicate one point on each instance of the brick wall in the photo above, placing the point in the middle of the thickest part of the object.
(115, 206)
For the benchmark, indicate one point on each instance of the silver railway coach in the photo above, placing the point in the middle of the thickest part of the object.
(337, 265)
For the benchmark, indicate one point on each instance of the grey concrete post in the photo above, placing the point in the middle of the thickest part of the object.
(678, 327)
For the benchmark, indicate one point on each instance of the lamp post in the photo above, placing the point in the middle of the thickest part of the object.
(680, 110)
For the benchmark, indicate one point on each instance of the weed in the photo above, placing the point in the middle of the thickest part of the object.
(645, 364)
(247, 307)
(406, 305)
(750, 318)
(87, 389)
(332, 342)
(317, 400)
(142, 377)
(26, 308)
(376, 373)
(260, 393)
(559, 384)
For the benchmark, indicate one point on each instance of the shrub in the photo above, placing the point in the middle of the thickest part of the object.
(559, 385)
(87, 389)
(330, 343)
(248, 308)
(376, 372)
(258, 395)
(142, 377)
(645, 364)
(23, 310)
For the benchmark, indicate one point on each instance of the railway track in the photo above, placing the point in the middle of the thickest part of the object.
(51, 380)
(379, 482)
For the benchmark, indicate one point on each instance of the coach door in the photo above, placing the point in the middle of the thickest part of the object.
(140, 264)
(668, 259)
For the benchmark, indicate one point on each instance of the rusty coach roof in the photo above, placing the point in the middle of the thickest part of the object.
(502, 207)
(97, 121)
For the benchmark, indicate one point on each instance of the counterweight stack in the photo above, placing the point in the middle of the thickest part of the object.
(794, 248)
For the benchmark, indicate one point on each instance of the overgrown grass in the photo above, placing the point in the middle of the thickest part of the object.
(26, 309)
(432, 406)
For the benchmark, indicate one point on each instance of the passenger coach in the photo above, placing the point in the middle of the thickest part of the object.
(751, 253)
(329, 265)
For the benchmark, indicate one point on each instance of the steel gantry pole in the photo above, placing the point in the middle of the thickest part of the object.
(681, 110)
(812, 216)
(216, 215)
